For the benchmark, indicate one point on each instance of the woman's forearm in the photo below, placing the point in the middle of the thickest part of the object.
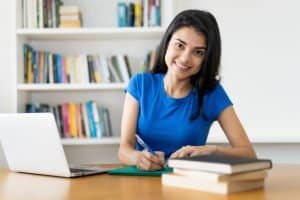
(245, 151)
(127, 155)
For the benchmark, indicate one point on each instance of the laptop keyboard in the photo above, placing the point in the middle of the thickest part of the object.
(74, 170)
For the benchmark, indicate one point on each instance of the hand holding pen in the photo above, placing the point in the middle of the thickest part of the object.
(148, 159)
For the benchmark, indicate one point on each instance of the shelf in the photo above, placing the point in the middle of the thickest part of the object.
(96, 141)
(68, 86)
(90, 33)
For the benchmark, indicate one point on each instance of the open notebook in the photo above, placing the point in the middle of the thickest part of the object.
(31, 144)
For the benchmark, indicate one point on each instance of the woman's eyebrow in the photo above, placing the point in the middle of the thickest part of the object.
(183, 42)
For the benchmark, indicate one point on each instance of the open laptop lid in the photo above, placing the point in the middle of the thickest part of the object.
(32, 144)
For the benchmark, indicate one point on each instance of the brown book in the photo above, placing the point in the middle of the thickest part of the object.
(70, 24)
(195, 183)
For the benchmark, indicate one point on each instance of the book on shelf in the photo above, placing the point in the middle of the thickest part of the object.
(138, 18)
(70, 16)
(48, 67)
(122, 65)
(69, 10)
(122, 14)
(140, 13)
(220, 163)
(77, 120)
(40, 13)
(149, 60)
(130, 17)
(195, 183)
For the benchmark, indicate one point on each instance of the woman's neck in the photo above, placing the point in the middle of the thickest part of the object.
(176, 88)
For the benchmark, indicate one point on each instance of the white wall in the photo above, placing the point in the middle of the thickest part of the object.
(6, 71)
(260, 62)
(260, 68)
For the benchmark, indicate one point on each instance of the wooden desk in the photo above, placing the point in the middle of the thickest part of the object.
(283, 182)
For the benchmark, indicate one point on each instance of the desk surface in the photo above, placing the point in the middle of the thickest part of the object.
(283, 182)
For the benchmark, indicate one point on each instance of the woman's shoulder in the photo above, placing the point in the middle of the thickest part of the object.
(218, 92)
(217, 89)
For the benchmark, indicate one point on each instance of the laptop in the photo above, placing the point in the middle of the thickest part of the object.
(32, 144)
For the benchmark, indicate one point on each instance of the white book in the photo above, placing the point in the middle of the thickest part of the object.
(53, 14)
(104, 69)
(40, 14)
(193, 183)
(82, 68)
(72, 68)
(123, 68)
(30, 14)
(68, 9)
(24, 14)
(112, 68)
(34, 14)
(146, 13)
(210, 176)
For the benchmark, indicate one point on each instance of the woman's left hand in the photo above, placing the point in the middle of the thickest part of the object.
(194, 151)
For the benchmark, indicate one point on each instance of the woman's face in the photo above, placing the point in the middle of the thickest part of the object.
(185, 53)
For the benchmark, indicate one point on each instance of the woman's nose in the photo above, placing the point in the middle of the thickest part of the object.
(185, 57)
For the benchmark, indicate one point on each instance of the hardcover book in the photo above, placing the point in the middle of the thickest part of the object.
(220, 164)
(218, 187)
(210, 176)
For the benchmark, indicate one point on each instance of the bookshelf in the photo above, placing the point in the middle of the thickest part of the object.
(99, 35)
(103, 141)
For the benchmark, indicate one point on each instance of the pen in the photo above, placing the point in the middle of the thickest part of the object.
(144, 145)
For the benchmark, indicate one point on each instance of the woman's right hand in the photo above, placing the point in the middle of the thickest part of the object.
(148, 162)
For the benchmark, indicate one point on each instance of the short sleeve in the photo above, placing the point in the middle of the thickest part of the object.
(133, 86)
(216, 102)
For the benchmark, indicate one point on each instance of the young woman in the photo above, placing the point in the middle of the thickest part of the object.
(172, 107)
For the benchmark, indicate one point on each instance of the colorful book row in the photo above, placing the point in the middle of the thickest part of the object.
(41, 13)
(46, 67)
(77, 120)
(140, 13)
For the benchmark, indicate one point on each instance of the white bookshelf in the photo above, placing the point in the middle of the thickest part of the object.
(99, 35)
(68, 87)
(89, 33)
(101, 141)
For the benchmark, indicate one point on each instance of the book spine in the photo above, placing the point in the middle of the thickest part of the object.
(89, 109)
(96, 118)
(72, 115)
(122, 11)
(138, 14)
(85, 121)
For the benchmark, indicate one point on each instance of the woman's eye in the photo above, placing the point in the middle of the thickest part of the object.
(199, 53)
(178, 45)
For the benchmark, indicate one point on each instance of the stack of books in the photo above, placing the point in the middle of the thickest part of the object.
(70, 17)
(215, 173)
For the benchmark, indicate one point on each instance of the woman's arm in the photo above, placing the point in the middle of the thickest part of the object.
(235, 133)
(127, 153)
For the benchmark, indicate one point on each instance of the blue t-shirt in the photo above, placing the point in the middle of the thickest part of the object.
(164, 122)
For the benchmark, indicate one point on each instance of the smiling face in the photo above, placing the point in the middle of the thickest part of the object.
(185, 53)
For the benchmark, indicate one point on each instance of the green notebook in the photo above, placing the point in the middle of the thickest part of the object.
(133, 171)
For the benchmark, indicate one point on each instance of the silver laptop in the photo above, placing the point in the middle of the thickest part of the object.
(31, 144)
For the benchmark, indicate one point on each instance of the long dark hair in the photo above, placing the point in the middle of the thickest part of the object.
(206, 79)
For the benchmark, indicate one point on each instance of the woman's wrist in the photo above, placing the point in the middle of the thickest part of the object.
(214, 149)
